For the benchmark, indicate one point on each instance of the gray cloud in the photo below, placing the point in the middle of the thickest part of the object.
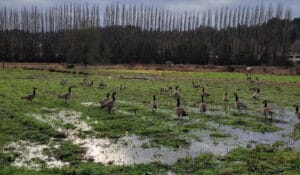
(174, 5)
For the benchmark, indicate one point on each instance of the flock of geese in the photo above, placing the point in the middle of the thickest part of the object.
(108, 103)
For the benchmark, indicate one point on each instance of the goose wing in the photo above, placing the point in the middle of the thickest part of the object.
(28, 97)
(104, 100)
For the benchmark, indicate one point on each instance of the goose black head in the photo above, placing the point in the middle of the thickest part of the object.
(107, 95)
(154, 97)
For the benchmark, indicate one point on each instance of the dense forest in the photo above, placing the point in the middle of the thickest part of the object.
(81, 33)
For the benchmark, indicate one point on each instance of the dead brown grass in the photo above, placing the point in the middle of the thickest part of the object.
(178, 67)
(274, 70)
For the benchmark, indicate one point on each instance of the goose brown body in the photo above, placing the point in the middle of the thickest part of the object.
(110, 103)
(154, 104)
(195, 85)
(66, 96)
(180, 111)
(204, 94)
(256, 95)
(91, 84)
(105, 99)
(177, 92)
(163, 89)
(102, 84)
(239, 105)
(30, 97)
(225, 98)
(267, 110)
(202, 105)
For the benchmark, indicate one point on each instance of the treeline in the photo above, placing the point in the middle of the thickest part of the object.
(147, 34)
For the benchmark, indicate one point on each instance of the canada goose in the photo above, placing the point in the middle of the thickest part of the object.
(239, 105)
(253, 89)
(66, 96)
(163, 89)
(110, 103)
(297, 113)
(256, 80)
(248, 76)
(63, 82)
(91, 84)
(176, 92)
(267, 110)
(202, 105)
(205, 94)
(105, 99)
(195, 85)
(30, 97)
(225, 98)
(154, 104)
(84, 82)
(101, 84)
(278, 88)
(256, 95)
(180, 111)
(122, 87)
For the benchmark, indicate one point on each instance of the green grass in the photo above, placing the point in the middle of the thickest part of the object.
(162, 128)
(260, 160)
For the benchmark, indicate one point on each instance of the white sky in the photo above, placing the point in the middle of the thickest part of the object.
(174, 5)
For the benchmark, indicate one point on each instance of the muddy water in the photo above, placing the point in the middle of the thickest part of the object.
(129, 150)
(242, 138)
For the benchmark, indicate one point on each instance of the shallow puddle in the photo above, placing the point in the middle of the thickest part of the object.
(130, 149)
(90, 104)
(31, 155)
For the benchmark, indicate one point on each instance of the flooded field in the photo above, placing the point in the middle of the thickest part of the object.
(130, 149)
(49, 133)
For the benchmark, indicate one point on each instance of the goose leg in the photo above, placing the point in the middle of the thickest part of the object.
(271, 117)
(265, 117)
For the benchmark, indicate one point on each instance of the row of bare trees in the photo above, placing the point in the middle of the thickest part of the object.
(153, 18)
(52, 19)
(75, 16)
(146, 34)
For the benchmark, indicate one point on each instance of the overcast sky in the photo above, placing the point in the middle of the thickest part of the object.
(175, 5)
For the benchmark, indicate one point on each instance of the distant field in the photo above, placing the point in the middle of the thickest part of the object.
(49, 136)
(272, 70)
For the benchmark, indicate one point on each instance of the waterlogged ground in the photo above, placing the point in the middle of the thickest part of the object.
(47, 133)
